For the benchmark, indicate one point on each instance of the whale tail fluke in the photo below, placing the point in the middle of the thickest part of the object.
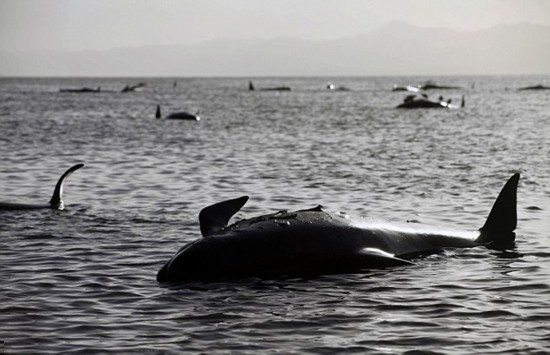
(463, 102)
(498, 230)
(57, 198)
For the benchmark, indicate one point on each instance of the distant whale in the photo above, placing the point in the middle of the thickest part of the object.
(330, 86)
(405, 88)
(178, 115)
(56, 201)
(314, 242)
(534, 88)
(132, 88)
(274, 88)
(430, 85)
(82, 90)
(423, 102)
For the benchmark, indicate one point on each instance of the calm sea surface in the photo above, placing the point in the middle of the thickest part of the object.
(83, 279)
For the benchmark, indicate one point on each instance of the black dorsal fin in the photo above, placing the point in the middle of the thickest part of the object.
(158, 114)
(214, 218)
(57, 197)
(498, 230)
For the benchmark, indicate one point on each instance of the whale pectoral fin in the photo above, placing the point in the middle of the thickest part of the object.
(373, 257)
(214, 218)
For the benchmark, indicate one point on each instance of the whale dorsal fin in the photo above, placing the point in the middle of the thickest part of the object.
(57, 197)
(158, 114)
(498, 230)
(214, 218)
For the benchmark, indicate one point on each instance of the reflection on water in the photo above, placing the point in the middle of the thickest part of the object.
(84, 278)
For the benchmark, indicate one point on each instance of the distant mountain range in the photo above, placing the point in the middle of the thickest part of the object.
(395, 49)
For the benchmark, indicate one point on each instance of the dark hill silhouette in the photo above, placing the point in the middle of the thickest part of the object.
(394, 49)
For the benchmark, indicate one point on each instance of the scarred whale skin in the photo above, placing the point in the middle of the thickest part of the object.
(315, 242)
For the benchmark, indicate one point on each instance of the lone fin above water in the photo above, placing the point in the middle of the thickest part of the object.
(57, 197)
(498, 230)
(214, 218)
(158, 113)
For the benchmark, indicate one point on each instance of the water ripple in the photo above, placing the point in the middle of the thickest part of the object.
(83, 279)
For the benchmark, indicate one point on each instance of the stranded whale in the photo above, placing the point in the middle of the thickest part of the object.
(251, 87)
(534, 87)
(56, 201)
(178, 115)
(411, 101)
(314, 242)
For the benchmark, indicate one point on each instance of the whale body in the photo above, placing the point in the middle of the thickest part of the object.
(314, 242)
(405, 88)
(82, 90)
(178, 115)
(251, 87)
(534, 87)
(56, 202)
(423, 102)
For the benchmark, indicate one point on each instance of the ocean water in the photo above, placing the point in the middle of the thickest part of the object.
(83, 279)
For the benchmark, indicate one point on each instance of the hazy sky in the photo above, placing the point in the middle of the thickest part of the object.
(100, 24)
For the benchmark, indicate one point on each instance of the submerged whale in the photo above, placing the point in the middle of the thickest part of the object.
(178, 115)
(534, 88)
(251, 87)
(405, 88)
(82, 90)
(315, 242)
(423, 102)
(431, 85)
(56, 202)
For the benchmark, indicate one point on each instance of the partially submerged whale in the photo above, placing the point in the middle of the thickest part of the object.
(430, 85)
(315, 242)
(534, 88)
(412, 101)
(274, 88)
(56, 202)
(178, 115)
(330, 86)
(82, 90)
(405, 88)
(132, 88)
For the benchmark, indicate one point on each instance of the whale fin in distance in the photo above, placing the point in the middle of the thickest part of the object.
(214, 218)
(158, 113)
(57, 197)
(498, 230)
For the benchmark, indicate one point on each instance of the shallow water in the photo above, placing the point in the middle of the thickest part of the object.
(84, 278)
